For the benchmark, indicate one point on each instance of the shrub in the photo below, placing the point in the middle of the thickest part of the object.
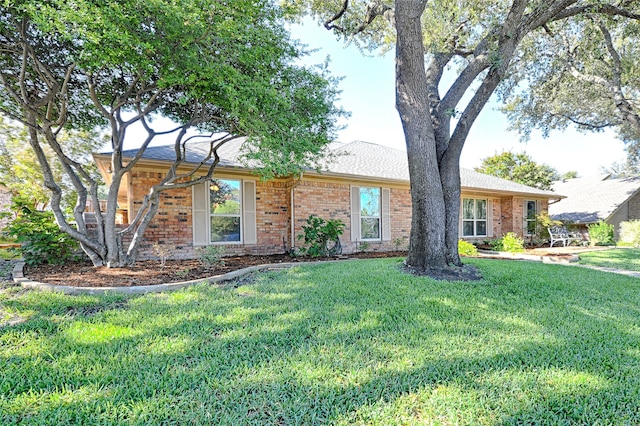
(41, 239)
(465, 248)
(630, 233)
(400, 243)
(163, 252)
(364, 246)
(211, 256)
(511, 243)
(496, 244)
(321, 237)
(601, 234)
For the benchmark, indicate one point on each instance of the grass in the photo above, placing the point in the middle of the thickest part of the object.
(627, 259)
(348, 343)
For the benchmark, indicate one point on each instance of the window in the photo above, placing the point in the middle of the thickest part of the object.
(474, 217)
(225, 209)
(530, 218)
(369, 213)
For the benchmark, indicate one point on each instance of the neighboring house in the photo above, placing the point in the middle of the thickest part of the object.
(366, 186)
(592, 199)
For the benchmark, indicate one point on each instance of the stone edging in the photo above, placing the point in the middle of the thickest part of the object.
(19, 278)
(532, 257)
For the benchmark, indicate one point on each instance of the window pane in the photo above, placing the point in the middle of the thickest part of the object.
(225, 196)
(370, 202)
(531, 227)
(225, 229)
(369, 228)
(481, 227)
(481, 209)
(467, 208)
(531, 209)
(467, 228)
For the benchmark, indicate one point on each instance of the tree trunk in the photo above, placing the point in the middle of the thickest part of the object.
(427, 240)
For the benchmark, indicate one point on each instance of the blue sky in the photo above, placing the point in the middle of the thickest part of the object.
(368, 92)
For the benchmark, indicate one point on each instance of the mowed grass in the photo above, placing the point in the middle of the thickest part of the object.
(623, 258)
(347, 343)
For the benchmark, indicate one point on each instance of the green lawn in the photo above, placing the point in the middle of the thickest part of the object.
(628, 259)
(348, 343)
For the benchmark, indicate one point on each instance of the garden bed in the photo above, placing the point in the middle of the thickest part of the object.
(150, 272)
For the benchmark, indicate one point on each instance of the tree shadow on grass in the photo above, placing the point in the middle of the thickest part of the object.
(295, 349)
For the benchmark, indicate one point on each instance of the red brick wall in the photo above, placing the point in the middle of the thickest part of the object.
(329, 200)
(323, 199)
(173, 224)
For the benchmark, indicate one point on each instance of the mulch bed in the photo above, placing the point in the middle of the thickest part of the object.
(149, 272)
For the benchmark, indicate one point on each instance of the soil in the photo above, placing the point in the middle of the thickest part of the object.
(150, 272)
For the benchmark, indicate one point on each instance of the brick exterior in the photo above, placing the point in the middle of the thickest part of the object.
(329, 199)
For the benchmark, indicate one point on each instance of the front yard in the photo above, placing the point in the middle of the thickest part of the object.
(622, 258)
(347, 343)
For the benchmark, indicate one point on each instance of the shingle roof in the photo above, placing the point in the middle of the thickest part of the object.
(378, 161)
(362, 159)
(593, 198)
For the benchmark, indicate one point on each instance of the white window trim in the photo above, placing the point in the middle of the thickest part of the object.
(239, 215)
(204, 214)
(385, 214)
(525, 231)
(488, 223)
(379, 216)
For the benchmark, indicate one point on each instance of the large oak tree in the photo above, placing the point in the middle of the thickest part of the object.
(475, 42)
(221, 70)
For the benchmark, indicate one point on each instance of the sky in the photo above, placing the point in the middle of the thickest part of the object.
(368, 92)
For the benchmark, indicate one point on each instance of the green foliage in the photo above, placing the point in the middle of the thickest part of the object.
(511, 243)
(364, 246)
(496, 244)
(41, 238)
(220, 70)
(163, 252)
(519, 168)
(601, 234)
(465, 248)
(400, 243)
(354, 343)
(630, 232)
(545, 222)
(211, 256)
(322, 237)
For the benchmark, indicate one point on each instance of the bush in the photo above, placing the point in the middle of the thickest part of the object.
(41, 239)
(630, 233)
(511, 243)
(496, 244)
(322, 237)
(465, 248)
(211, 256)
(601, 234)
(546, 222)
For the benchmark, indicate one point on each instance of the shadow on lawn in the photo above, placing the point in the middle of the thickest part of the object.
(291, 350)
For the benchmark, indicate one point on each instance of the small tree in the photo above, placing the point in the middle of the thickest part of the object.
(220, 70)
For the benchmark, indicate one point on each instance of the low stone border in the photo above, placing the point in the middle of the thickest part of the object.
(19, 278)
(531, 257)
